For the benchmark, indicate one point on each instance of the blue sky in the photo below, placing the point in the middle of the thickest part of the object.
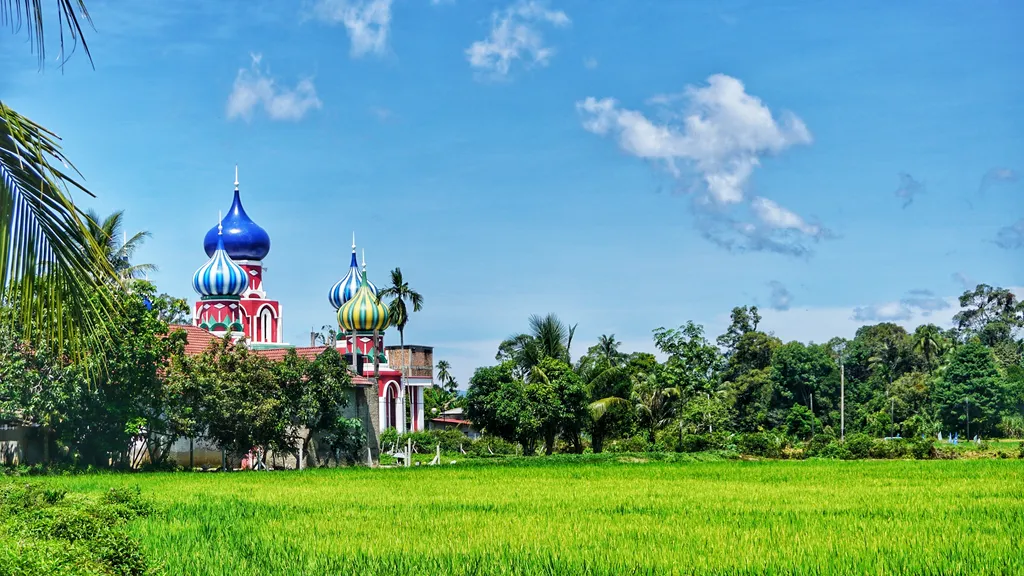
(626, 165)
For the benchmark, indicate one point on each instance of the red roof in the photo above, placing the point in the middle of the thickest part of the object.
(198, 340)
(452, 421)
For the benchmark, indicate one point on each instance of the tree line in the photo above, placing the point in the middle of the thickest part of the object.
(967, 380)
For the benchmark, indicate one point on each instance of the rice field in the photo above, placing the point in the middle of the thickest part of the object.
(628, 516)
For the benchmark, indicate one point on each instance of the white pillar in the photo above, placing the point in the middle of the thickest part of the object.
(419, 409)
(382, 410)
(400, 411)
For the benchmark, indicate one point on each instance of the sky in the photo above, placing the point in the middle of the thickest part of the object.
(624, 164)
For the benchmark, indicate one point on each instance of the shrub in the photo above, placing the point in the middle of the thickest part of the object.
(50, 531)
(638, 443)
(763, 444)
(858, 446)
(921, 448)
(492, 446)
(835, 449)
(1020, 450)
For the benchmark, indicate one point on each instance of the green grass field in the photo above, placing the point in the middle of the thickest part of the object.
(626, 517)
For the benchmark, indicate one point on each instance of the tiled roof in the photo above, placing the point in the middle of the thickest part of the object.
(198, 340)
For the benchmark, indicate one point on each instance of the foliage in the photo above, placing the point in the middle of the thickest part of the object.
(970, 392)
(47, 530)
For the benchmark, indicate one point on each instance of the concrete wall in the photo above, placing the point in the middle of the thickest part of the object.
(21, 445)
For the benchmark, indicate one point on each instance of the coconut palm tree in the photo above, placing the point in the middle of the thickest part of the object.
(444, 375)
(48, 277)
(929, 343)
(398, 311)
(549, 337)
(654, 405)
(117, 247)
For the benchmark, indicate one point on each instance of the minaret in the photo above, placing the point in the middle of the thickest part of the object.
(219, 284)
(247, 244)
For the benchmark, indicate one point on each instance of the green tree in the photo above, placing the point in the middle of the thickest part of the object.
(549, 337)
(744, 319)
(693, 364)
(930, 344)
(496, 402)
(117, 248)
(50, 279)
(800, 371)
(559, 399)
(398, 309)
(970, 390)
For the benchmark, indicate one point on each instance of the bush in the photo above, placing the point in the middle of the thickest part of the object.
(1020, 450)
(48, 531)
(858, 446)
(492, 446)
(762, 444)
(921, 448)
(836, 449)
(638, 443)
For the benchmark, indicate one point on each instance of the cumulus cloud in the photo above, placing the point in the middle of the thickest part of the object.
(908, 189)
(780, 297)
(590, 63)
(367, 22)
(1011, 237)
(916, 302)
(996, 176)
(515, 36)
(718, 133)
(255, 88)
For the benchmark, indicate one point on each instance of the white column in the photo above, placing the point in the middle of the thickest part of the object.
(382, 410)
(419, 408)
(400, 409)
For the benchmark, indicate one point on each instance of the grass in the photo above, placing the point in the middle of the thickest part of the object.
(622, 515)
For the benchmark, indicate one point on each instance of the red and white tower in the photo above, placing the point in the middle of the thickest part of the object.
(247, 244)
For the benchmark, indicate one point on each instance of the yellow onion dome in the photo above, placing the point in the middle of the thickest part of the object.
(363, 312)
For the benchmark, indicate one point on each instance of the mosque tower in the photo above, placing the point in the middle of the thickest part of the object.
(246, 244)
(220, 283)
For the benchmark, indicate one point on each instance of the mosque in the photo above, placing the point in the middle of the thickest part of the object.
(388, 381)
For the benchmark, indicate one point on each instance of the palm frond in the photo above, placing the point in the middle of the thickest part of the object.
(48, 277)
(599, 408)
(29, 14)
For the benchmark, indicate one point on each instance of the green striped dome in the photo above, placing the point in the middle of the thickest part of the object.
(363, 312)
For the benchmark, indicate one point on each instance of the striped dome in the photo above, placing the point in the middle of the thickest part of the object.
(220, 277)
(346, 288)
(363, 312)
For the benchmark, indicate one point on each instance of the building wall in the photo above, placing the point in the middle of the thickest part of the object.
(420, 358)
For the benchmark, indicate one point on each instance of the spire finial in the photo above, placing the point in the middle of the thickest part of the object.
(364, 259)
(353, 242)
(220, 223)
(236, 177)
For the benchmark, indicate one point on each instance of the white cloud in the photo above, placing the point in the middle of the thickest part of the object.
(720, 133)
(780, 297)
(917, 303)
(723, 133)
(514, 36)
(590, 63)
(367, 22)
(775, 216)
(254, 88)
(962, 279)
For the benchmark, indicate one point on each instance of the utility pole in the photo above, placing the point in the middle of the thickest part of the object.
(892, 417)
(840, 350)
(812, 414)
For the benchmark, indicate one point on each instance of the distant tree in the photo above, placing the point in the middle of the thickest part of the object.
(558, 398)
(398, 309)
(693, 364)
(798, 371)
(744, 319)
(930, 344)
(971, 390)
(549, 337)
(496, 402)
(117, 248)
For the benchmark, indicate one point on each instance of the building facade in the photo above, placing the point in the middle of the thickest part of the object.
(389, 381)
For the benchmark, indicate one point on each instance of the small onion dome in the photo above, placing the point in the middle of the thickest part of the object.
(220, 277)
(363, 312)
(243, 238)
(346, 288)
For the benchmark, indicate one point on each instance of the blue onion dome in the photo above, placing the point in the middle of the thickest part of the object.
(363, 312)
(243, 238)
(346, 288)
(220, 277)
